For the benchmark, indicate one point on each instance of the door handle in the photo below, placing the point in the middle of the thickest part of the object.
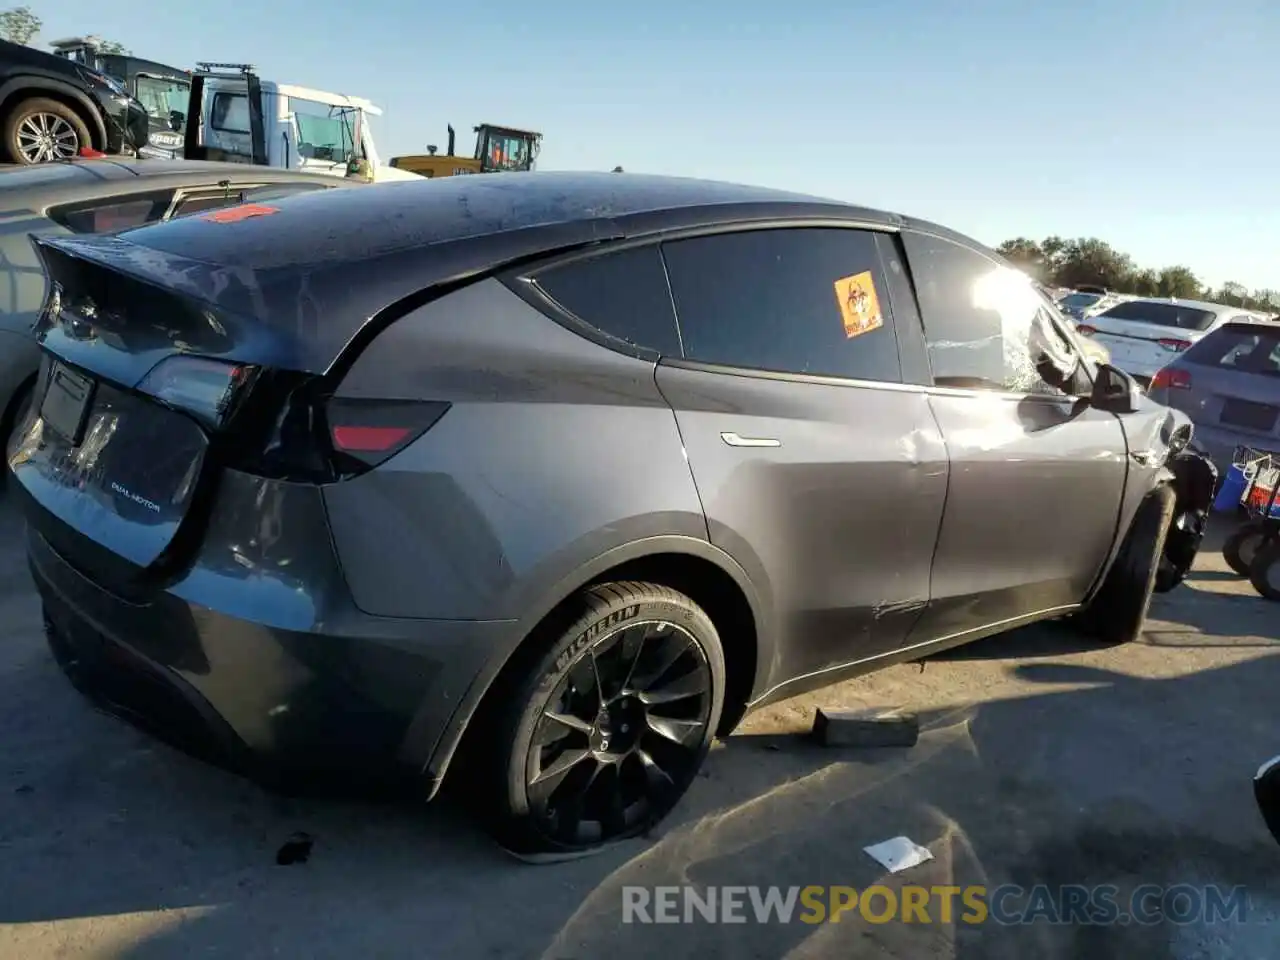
(736, 440)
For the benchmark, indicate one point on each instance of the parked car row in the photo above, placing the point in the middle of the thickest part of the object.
(1083, 304)
(1145, 333)
(541, 481)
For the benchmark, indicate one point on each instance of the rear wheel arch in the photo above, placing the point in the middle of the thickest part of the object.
(702, 572)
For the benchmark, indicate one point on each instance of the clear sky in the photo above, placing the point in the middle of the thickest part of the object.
(1148, 123)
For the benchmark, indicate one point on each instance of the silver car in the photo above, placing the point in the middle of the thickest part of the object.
(1228, 383)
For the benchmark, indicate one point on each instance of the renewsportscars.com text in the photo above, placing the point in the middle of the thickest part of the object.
(1070, 904)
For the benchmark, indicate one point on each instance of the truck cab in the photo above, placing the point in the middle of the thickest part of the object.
(241, 118)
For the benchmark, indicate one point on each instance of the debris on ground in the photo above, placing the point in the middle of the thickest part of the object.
(297, 849)
(865, 728)
(898, 854)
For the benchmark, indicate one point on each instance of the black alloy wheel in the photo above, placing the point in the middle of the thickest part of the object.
(618, 735)
(617, 725)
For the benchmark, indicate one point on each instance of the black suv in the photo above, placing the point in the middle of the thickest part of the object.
(51, 108)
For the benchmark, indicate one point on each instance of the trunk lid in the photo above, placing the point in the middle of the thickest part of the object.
(127, 407)
(110, 465)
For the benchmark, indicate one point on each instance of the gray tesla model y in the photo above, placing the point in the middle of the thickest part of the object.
(545, 479)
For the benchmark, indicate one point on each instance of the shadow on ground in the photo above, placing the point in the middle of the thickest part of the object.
(1040, 762)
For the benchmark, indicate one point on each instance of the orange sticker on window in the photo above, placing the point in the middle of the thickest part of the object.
(859, 304)
(242, 212)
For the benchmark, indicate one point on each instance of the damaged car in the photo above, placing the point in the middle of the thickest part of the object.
(540, 482)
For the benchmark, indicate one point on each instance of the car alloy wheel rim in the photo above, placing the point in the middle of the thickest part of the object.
(621, 736)
(43, 137)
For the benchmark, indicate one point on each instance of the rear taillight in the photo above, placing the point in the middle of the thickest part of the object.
(1174, 346)
(365, 433)
(1171, 378)
(1085, 330)
(207, 390)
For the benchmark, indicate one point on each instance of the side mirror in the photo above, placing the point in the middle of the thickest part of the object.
(1114, 390)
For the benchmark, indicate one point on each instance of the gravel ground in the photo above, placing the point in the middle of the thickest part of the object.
(1041, 761)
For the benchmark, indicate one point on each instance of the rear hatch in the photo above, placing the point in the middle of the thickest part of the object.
(1232, 378)
(158, 372)
(139, 388)
(1143, 335)
(180, 350)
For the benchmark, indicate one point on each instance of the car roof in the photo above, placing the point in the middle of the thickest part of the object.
(1218, 308)
(45, 59)
(43, 185)
(318, 266)
(567, 208)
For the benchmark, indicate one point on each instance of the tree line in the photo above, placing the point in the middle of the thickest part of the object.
(1058, 262)
(21, 25)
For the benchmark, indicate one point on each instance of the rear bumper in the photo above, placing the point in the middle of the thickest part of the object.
(335, 700)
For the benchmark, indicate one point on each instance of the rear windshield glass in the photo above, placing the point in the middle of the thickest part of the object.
(1161, 314)
(1247, 347)
(1079, 300)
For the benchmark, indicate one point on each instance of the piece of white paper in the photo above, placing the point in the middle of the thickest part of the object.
(898, 854)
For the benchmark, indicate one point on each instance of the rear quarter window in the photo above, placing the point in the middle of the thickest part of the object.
(623, 295)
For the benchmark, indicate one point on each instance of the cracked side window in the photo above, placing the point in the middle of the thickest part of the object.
(986, 326)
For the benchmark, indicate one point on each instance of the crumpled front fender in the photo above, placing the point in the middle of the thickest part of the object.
(1194, 480)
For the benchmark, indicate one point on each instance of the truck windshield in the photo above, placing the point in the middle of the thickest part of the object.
(506, 151)
(166, 101)
(325, 132)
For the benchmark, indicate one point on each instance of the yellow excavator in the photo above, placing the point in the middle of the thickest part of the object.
(498, 149)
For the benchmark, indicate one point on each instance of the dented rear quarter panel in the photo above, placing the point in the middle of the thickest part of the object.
(555, 453)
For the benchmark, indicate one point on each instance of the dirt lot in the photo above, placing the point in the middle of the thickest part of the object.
(1042, 762)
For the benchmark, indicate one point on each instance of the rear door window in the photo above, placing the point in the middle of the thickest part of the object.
(622, 294)
(806, 301)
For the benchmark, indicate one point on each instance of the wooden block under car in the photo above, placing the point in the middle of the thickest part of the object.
(865, 728)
